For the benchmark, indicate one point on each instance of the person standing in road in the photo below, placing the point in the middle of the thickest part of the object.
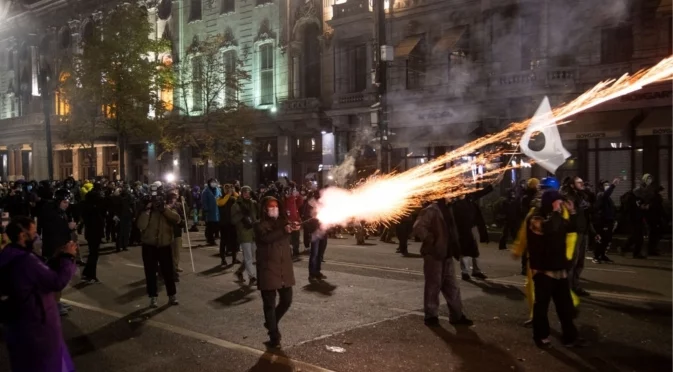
(244, 213)
(275, 271)
(212, 214)
(32, 324)
(93, 213)
(436, 228)
(293, 204)
(156, 226)
(606, 213)
(228, 240)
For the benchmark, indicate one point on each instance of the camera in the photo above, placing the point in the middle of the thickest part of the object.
(157, 197)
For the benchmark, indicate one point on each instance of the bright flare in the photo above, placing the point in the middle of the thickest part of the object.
(387, 198)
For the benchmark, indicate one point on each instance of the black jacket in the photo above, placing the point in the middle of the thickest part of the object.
(93, 215)
(605, 207)
(547, 251)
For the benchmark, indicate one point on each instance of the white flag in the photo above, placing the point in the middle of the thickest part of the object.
(553, 155)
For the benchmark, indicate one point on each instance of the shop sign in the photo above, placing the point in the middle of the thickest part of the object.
(647, 96)
(592, 135)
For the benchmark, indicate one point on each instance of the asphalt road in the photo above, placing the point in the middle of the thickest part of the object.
(370, 306)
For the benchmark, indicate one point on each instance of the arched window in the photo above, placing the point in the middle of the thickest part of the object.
(311, 60)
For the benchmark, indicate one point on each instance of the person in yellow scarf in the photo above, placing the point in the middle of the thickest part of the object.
(519, 250)
(228, 238)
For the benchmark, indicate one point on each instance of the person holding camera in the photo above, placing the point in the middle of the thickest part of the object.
(156, 225)
(243, 215)
(29, 309)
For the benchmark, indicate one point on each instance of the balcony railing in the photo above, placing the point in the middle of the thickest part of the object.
(350, 8)
(353, 99)
(300, 105)
(554, 77)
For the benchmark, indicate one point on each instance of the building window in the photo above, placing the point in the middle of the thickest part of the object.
(195, 10)
(530, 38)
(197, 87)
(311, 61)
(357, 68)
(60, 103)
(266, 74)
(616, 44)
(229, 62)
(415, 69)
(228, 6)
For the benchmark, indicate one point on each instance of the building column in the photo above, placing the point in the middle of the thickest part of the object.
(75, 164)
(56, 157)
(249, 169)
(11, 162)
(185, 166)
(100, 160)
(328, 158)
(39, 169)
(18, 157)
(152, 166)
(284, 157)
(5, 171)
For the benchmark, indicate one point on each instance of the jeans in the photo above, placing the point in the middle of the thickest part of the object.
(546, 289)
(195, 215)
(272, 312)
(162, 256)
(578, 261)
(110, 228)
(89, 271)
(509, 229)
(402, 231)
(439, 277)
(636, 238)
(249, 250)
(124, 236)
(318, 247)
(465, 265)
(228, 242)
(294, 241)
(654, 236)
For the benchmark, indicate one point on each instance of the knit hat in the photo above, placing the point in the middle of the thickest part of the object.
(246, 188)
(533, 183)
(549, 197)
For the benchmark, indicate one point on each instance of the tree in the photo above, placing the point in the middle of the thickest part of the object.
(209, 113)
(116, 80)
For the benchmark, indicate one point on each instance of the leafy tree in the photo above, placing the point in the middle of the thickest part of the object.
(209, 114)
(116, 80)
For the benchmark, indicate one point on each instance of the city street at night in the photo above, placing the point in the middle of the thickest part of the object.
(366, 316)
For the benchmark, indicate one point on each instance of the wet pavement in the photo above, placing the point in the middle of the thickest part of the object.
(366, 316)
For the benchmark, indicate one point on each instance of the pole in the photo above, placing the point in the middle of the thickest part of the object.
(189, 240)
(383, 83)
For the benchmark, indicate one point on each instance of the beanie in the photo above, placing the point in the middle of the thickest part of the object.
(533, 183)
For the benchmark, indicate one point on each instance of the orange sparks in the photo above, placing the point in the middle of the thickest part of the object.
(387, 198)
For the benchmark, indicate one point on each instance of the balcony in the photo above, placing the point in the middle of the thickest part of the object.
(358, 99)
(300, 105)
(542, 81)
(350, 8)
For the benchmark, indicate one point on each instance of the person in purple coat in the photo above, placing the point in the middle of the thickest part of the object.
(32, 321)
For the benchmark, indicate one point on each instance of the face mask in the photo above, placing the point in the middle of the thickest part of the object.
(273, 212)
(648, 181)
(29, 188)
(295, 193)
(606, 187)
(213, 185)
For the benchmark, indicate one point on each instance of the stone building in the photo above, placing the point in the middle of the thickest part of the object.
(462, 69)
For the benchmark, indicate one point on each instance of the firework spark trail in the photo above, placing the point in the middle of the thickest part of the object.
(387, 198)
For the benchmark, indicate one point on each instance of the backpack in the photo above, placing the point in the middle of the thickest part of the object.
(9, 301)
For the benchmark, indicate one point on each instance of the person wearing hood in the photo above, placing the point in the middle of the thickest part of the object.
(244, 213)
(606, 213)
(212, 213)
(32, 324)
(436, 228)
(275, 271)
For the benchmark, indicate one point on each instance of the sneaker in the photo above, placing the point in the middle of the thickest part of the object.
(253, 282)
(462, 321)
(596, 260)
(180, 270)
(544, 343)
(479, 275)
(93, 281)
(273, 344)
(313, 278)
(465, 276)
(607, 259)
(173, 300)
(321, 276)
(432, 321)
(154, 303)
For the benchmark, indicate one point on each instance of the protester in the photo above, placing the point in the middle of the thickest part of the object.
(30, 311)
(275, 271)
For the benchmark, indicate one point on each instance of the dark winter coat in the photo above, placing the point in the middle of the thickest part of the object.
(244, 208)
(55, 230)
(436, 228)
(546, 240)
(605, 206)
(93, 215)
(35, 341)
(583, 207)
(467, 215)
(274, 254)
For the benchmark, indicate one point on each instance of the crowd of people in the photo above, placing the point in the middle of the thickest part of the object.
(552, 224)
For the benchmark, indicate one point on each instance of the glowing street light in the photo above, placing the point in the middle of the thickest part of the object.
(170, 177)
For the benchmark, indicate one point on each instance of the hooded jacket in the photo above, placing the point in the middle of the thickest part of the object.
(241, 209)
(209, 204)
(436, 228)
(274, 254)
(34, 340)
(157, 228)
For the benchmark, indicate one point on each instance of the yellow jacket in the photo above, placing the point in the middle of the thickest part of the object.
(221, 202)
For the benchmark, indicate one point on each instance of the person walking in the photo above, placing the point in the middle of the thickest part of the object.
(275, 271)
(436, 228)
(32, 323)
(212, 213)
(244, 213)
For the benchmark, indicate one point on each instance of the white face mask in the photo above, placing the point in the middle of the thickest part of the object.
(213, 185)
(606, 187)
(295, 193)
(273, 212)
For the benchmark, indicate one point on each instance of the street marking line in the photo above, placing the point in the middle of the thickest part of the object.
(611, 270)
(209, 339)
(504, 281)
(134, 265)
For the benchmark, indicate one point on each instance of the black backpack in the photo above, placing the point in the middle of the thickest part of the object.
(9, 300)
